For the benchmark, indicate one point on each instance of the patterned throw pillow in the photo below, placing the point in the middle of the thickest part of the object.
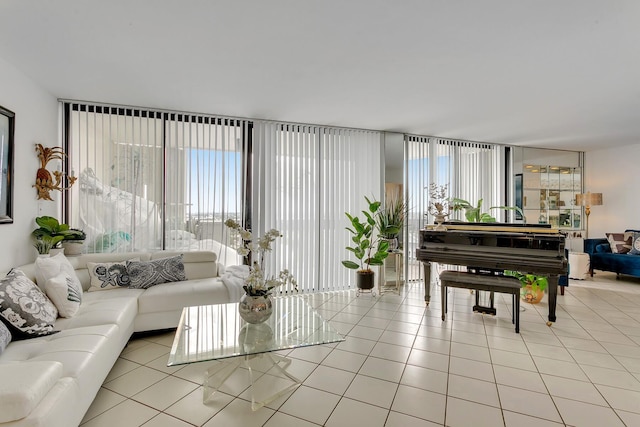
(25, 309)
(145, 274)
(5, 336)
(109, 275)
(620, 242)
(635, 244)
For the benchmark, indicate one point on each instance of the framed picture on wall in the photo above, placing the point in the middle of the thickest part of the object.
(7, 129)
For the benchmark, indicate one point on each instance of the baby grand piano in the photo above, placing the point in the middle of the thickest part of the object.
(535, 249)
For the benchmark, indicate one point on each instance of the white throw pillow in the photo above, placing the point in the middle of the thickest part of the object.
(108, 275)
(50, 267)
(65, 293)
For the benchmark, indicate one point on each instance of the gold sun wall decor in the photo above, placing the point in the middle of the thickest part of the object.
(45, 182)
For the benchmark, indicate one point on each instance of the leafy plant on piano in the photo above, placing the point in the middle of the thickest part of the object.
(474, 213)
(368, 247)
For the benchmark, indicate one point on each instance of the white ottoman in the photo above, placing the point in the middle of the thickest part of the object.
(578, 265)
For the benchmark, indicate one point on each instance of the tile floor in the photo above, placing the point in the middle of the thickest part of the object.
(400, 365)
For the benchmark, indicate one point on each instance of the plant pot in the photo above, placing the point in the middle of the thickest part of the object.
(365, 279)
(255, 309)
(393, 243)
(528, 295)
(73, 247)
(56, 251)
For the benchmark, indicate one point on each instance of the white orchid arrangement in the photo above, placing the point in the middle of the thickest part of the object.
(257, 283)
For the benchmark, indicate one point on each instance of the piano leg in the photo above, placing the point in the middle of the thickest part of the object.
(553, 296)
(427, 282)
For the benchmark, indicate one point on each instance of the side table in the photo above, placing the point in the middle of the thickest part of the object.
(396, 257)
(578, 265)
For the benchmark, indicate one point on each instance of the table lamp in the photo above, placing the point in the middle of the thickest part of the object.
(587, 200)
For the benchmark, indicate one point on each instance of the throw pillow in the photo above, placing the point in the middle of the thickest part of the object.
(24, 308)
(620, 242)
(109, 275)
(635, 244)
(50, 267)
(65, 293)
(145, 274)
(5, 337)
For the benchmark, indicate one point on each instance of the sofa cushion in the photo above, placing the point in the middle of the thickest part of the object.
(109, 275)
(5, 337)
(620, 242)
(65, 293)
(23, 386)
(48, 267)
(24, 308)
(145, 274)
(635, 244)
(603, 248)
(175, 296)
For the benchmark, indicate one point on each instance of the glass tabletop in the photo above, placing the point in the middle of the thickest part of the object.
(212, 332)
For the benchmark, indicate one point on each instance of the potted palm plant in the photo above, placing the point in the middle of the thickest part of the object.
(369, 247)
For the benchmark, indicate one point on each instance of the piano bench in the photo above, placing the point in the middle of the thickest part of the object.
(482, 282)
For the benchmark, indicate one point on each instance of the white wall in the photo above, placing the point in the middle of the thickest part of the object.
(611, 171)
(36, 121)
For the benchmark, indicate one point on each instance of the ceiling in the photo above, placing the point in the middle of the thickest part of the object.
(540, 73)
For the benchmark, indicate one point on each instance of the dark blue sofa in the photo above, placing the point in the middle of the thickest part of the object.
(601, 258)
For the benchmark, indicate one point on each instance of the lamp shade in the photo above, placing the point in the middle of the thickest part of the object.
(589, 199)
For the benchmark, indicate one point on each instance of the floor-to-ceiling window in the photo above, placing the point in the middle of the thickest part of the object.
(470, 171)
(151, 180)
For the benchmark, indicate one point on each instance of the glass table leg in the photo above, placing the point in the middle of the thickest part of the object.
(217, 375)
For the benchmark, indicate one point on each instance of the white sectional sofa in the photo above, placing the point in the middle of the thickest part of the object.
(52, 380)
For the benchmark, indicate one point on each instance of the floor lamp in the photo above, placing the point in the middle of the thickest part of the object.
(587, 200)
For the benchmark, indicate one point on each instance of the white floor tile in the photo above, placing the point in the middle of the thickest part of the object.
(345, 360)
(105, 400)
(373, 391)
(192, 410)
(382, 369)
(471, 368)
(147, 353)
(239, 413)
(511, 359)
(426, 379)
(310, 404)
(395, 353)
(435, 345)
(473, 352)
(125, 414)
(612, 377)
(357, 345)
(420, 403)
(462, 413)
(135, 381)
(428, 359)
(330, 379)
(560, 368)
(573, 389)
(351, 412)
(513, 419)
(629, 418)
(396, 419)
(283, 420)
(528, 402)
(519, 378)
(583, 414)
(165, 393)
(474, 390)
(164, 420)
(618, 398)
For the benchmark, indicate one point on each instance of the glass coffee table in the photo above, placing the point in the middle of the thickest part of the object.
(217, 332)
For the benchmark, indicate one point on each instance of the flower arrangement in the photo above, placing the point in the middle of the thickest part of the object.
(257, 283)
(438, 200)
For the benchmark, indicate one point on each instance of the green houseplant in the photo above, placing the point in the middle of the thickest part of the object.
(369, 247)
(390, 220)
(533, 286)
(51, 232)
(475, 214)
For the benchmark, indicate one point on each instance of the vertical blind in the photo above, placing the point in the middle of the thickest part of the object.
(305, 179)
(472, 171)
(153, 180)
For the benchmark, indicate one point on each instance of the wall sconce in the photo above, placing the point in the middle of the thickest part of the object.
(587, 200)
(44, 181)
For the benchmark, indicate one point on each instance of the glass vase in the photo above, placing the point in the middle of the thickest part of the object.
(255, 309)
